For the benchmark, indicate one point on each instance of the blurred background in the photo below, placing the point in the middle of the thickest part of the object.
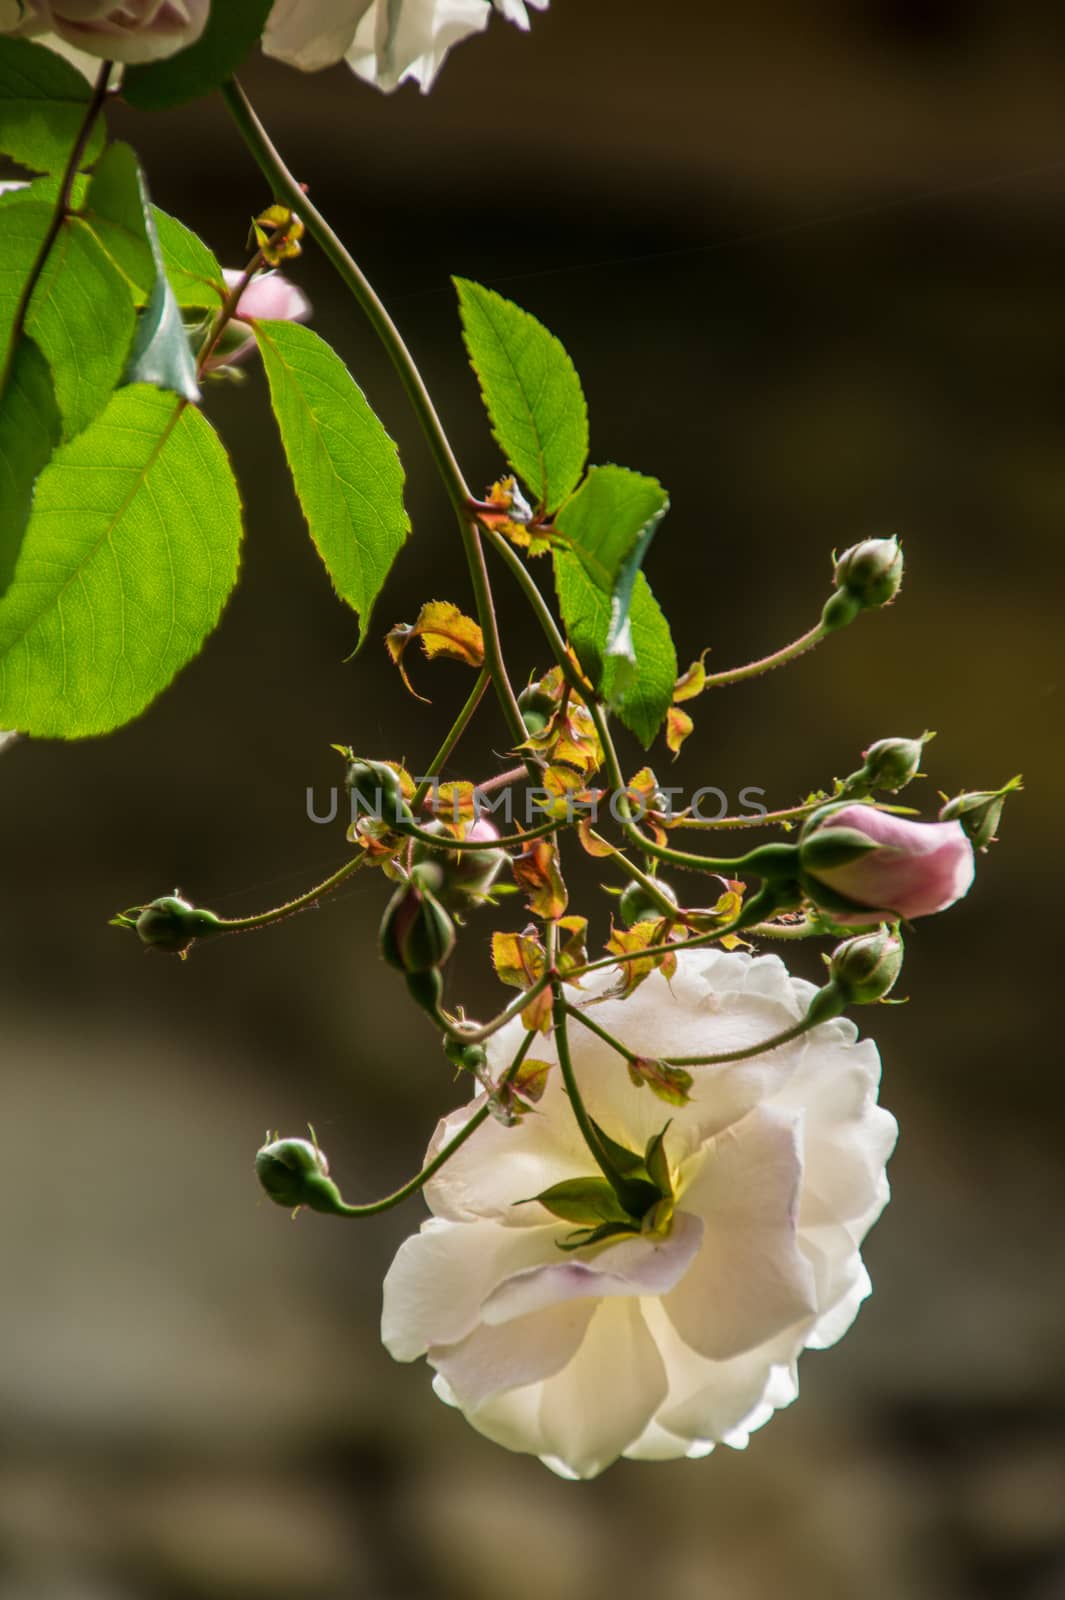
(809, 263)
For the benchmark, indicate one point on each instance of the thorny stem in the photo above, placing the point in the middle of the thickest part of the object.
(721, 1058)
(59, 215)
(302, 902)
(442, 842)
(478, 1033)
(798, 647)
(421, 1178)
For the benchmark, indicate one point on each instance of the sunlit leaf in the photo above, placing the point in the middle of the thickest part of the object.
(42, 107)
(531, 391)
(160, 354)
(643, 703)
(122, 571)
(344, 466)
(29, 432)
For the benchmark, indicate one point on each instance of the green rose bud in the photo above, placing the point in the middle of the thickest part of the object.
(866, 968)
(171, 924)
(376, 791)
(536, 707)
(889, 764)
(469, 1057)
(295, 1173)
(417, 934)
(979, 812)
(636, 905)
(465, 876)
(866, 576)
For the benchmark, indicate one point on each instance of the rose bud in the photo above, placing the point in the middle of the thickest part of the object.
(417, 935)
(468, 1057)
(979, 812)
(636, 905)
(466, 875)
(861, 865)
(269, 297)
(536, 707)
(866, 576)
(171, 924)
(375, 791)
(295, 1173)
(866, 968)
(889, 764)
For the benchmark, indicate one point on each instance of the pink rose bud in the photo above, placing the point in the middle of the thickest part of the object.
(888, 865)
(269, 297)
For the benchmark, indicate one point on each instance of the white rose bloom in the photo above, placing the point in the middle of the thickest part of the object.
(384, 41)
(134, 31)
(653, 1347)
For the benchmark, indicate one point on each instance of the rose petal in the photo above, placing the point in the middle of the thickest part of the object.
(750, 1280)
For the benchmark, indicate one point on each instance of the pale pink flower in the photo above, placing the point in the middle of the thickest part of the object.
(655, 1345)
(917, 869)
(133, 31)
(269, 297)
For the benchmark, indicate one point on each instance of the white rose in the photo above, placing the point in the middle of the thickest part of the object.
(384, 41)
(653, 1347)
(137, 30)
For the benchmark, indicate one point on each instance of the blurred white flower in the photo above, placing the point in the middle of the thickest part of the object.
(384, 41)
(653, 1347)
(133, 31)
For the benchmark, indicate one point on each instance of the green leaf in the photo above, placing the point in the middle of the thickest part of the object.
(160, 354)
(25, 226)
(589, 1200)
(194, 273)
(130, 552)
(29, 432)
(82, 317)
(232, 28)
(531, 391)
(642, 702)
(611, 514)
(610, 523)
(46, 189)
(345, 468)
(42, 107)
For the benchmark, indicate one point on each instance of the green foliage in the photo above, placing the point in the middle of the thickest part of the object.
(232, 29)
(82, 317)
(344, 466)
(641, 701)
(122, 571)
(29, 432)
(160, 354)
(610, 522)
(531, 391)
(42, 107)
(194, 274)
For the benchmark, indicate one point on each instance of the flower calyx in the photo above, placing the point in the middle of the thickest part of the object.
(888, 764)
(170, 924)
(979, 812)
(295, 1173)
(862, 971)
(866, 576)
(637, 1196)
